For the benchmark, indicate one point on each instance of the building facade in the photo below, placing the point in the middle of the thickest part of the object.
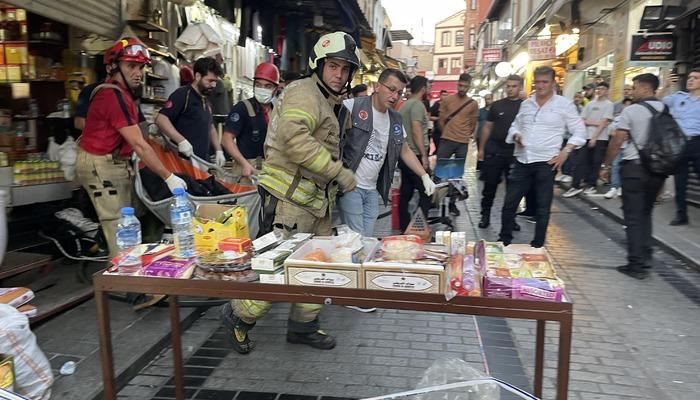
(448, 54)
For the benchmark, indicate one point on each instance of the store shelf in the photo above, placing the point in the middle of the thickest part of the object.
(46, 42)
(147, 25)
(15, 263)
(159, 53)
(156, 76)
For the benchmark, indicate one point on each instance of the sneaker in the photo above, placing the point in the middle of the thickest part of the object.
(572, 192)
(636, 273)
(619, 192)
(558, 178)
(360, 309)
(317, 340)
(591, 190)
(236, 336)
(611, 194)
(566, 179)
(453, 210)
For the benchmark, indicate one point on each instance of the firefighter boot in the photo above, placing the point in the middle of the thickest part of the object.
(318, 339)
(236, 330)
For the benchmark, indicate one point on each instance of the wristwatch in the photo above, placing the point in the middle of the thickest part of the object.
(604, 167)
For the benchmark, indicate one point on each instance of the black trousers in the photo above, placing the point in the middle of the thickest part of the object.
(639, 191)
(540, 177)
(692, 157)
(587, 163)
(410, 182)
(496, 165)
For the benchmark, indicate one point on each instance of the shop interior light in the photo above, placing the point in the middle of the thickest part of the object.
(575, 31)
(564, 42)
(503, 69)
(520, 61)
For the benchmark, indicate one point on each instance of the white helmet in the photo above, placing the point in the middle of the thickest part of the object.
(335, 45)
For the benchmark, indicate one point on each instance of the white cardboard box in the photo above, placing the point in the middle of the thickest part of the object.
(398, 276)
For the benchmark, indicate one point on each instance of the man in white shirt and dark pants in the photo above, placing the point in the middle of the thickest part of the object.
(639, 187)
(538, 132)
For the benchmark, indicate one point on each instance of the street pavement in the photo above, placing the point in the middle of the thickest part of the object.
(632, 339)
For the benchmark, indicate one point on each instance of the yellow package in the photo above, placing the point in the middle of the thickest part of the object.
(209, 232)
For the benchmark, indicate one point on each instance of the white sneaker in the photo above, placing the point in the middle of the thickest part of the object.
(559, 178)
(360, 309)
(567, 179)
(571, 193)
(590, 190)
(619, 192)
(611, 194)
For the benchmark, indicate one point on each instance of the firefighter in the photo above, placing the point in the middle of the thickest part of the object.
(246, 125)
(111, 134)
(301, 175)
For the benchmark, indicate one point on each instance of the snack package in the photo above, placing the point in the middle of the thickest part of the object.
(402, 248)
(463, 279)
(540, 269)
(537, 289)
(317, 255)
(240, 245)
(348, 248)
(169, 267)
(495, 286)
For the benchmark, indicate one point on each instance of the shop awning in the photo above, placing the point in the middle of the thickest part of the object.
(450, 86)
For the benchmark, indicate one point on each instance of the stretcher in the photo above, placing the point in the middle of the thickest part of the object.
(197, 168)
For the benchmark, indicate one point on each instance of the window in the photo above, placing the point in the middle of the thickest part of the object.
(473, 4)
(456, 63)
(446, 39)
(459, 38)
(472, 39)
(442, 63)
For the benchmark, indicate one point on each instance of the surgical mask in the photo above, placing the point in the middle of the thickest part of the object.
(263, 95)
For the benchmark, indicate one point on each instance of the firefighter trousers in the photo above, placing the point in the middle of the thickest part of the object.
(303, 317)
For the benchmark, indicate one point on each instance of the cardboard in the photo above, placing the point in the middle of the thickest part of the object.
(208, 232)
(397, 276)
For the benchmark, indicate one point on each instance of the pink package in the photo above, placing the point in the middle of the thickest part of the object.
(168, 266)
(495, 286)
(537, 289)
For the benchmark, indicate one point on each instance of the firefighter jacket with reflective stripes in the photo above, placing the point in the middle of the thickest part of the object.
(356, 140)
(302, 147)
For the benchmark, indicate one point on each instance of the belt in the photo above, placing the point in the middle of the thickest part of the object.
(634, 162)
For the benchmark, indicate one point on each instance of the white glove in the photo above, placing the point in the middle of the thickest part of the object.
(173, 181)
(428, 184)
(220, 158)
(185, 148)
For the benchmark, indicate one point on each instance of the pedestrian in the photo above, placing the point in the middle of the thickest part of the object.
(537, 133)
(300, 177)
(415, 122)
(372, 149)
(620, 105)
(110, 136)
(497, 155)
(483, 113)
(246, 124)
(615, 181)
(186, 118)
(597, 114)
(459, 114)
(359, 90)
(588, 93)
(639, 186)
(685, 108)
(435, 118)
(578, 101)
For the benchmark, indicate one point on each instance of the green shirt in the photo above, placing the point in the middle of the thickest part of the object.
(414, 110)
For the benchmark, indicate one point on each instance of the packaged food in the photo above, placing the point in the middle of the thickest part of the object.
(246, 275)
(15, 296)
(402, 248)
(462, 276)
(169, 267)
(317, 255)
(540, 269)
(270, 260)
(537, 289)
(534, 257)
(267, 241)
(237, 244)
(224, 261)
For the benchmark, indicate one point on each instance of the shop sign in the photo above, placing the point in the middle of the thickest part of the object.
(657, 50)
(491, 54)
(541, 49)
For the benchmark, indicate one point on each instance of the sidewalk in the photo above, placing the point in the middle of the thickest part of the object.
(681, 241)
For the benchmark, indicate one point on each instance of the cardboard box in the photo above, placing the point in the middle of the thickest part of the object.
(208, 232)
(397, 276)
(299, 271)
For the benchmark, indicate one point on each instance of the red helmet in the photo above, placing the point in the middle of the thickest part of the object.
(127, 49)
(268, 72)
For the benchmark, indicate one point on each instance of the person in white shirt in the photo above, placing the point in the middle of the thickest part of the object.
(538, 132)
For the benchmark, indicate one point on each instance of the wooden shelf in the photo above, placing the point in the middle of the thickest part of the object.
(15, 263)
(147, 25)
(159, 53)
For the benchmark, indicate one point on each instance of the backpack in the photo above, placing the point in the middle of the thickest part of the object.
(665, 147)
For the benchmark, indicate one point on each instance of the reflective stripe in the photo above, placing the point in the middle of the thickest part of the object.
(308, 119)
(279, 181)
(320, 162)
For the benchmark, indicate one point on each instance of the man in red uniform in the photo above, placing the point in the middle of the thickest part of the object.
(112, 134)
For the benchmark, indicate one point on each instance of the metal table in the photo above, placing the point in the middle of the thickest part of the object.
(491, 307)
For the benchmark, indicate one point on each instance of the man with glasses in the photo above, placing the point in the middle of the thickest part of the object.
(459, 114)
(538, 132)
(372, 149)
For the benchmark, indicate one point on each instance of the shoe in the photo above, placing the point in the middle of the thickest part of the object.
(536, 245)
(566, 179)
(505, 242)
(236, 335)
(619, 192)
(484, 223)
(611, 194)
(531, 219)
(558, 178)
(516, 227)
(525, 214)
(360, 309)
(453, 210)
(678, 221)
(635, 273)
(317, 340)
(591, 190)
(572, 192)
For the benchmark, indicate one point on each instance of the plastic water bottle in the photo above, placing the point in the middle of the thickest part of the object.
(128, 237)
(181, 216)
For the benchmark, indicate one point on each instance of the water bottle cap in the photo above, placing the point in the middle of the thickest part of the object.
(128, 211)
(178, 191)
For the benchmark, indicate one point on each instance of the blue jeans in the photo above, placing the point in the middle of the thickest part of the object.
(615, 181)
(359, 209)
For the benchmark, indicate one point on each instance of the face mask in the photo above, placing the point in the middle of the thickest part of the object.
(263, 95)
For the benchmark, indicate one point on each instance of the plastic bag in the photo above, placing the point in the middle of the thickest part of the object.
(33, 377)
(452, 370)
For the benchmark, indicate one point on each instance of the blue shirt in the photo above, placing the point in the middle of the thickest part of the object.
(686, 111)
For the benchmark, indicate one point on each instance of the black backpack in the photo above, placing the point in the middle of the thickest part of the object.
(665, 147)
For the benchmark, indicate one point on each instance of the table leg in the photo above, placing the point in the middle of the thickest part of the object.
(176, 341)
(105, 335)
(565, 332)
(539, 357)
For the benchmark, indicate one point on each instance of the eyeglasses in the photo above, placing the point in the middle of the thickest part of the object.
(393, 90)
